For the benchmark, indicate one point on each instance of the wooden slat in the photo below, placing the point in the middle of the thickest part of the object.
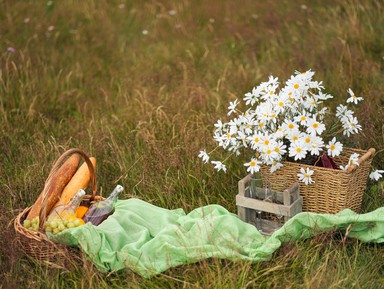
(288, 211)
(262, 206)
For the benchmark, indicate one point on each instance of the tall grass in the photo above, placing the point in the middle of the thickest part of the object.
(139, 84)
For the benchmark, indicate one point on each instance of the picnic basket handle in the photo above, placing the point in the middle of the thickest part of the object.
(48, 182)
(369, 154)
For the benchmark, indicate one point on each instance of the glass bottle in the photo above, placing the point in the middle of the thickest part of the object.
(100, 211)
(69, 210)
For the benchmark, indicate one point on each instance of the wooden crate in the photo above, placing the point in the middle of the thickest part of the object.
(286, 204)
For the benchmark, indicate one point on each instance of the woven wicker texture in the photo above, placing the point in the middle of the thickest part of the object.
(36, 244)
(333, 190)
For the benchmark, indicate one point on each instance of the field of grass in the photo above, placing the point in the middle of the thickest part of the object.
(139, 85)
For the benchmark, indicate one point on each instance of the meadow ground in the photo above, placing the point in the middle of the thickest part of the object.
(139, 84)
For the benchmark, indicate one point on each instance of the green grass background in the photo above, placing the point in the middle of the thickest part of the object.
(83, 74)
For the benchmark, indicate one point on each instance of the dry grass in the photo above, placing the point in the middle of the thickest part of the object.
(83, 74)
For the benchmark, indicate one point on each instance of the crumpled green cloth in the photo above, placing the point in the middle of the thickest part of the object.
(149, 239)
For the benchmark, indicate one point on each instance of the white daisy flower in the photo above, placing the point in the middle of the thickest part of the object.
(322, 96)
(353, 97)
(275, 166)
(253, 165)
(350, 126)
(279, 133)
(280, 148)
(353, 160)
(294, 135)
(298, 150)
(203, 154)
(316, 145)
(315, 127)
(316, 85)
(255, 140)
(343, 112)
(243, 138)
(232, 106)
(281, 102)
(305, 176)
(301, 118)
(334, 148)
(219, 125)
(228, 139)
(269, 154)
(311, 104)
(376, 175)
(219, 166)
(288, 126)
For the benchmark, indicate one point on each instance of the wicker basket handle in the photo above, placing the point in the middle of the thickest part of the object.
(369, 154)
(48, 182)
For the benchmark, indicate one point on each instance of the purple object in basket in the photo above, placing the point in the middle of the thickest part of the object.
(327, 162)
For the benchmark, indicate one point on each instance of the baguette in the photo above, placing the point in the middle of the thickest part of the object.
(79, 181)
(59, 180)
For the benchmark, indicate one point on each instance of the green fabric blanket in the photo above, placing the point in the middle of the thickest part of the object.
(149, 239)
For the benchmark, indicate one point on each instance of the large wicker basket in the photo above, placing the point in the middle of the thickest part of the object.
(36, 244)
(333, 190)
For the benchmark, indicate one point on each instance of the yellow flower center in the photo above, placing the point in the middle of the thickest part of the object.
(266, 142)
(281, 104)
(228, 135)
(354, 96)
(332, 147)
(352, 124)
(277, 150)
(256, 139)
(247, 126)
(252, 164)
(296, 86)
(291, 126)
(273, 115)
(261, 124)
(269, 151)
(298, 150)
(315, 125)
(303, 118)
(271, 92)
(307, 139)
(291, 99)
(295, 137)
(307, 176)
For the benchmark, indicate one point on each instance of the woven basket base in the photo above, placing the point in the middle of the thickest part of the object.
(43, 250)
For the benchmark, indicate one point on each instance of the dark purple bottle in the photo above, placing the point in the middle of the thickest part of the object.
(100, 211)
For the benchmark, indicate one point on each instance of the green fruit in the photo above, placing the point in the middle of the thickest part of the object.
(61, 227)
(70, 225)
(56, 231)
(48, 229)
(54, 224)
(77, 222)
(27, 223)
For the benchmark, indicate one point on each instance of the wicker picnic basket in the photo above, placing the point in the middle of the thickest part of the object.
(37, 244)
(333, 190)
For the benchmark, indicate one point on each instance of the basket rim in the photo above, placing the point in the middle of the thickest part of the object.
(343, 172)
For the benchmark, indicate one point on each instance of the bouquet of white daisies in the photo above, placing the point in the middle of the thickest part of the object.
(288, 123)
